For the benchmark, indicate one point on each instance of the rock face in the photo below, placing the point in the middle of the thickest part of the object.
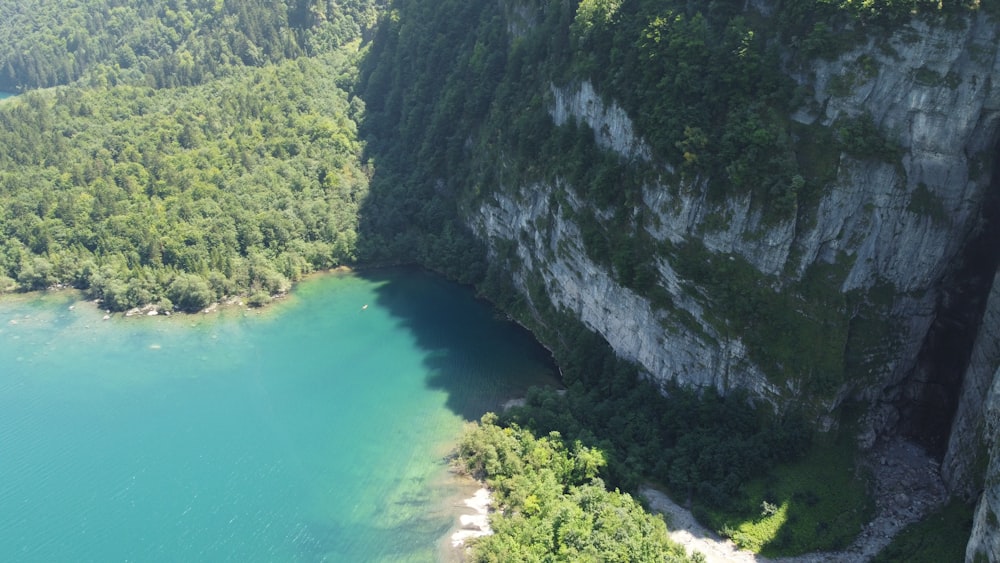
(612, 128)
(904, 227)
(634, 328)
(975, 438)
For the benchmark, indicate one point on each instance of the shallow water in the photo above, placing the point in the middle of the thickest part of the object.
(315, 430)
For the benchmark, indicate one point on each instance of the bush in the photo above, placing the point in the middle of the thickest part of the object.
(190, 293)
(259, 299)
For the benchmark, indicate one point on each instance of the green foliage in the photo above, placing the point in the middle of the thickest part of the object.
(234, 186)
(704, 87)
(164, 44)
(796, 333)
(553, 507)
(817, 162)
(942, 536)
(928, 204)
(888, 13)
(420, 113)
(190, 292)
(815, 503)
(861, 138)
(697, 444)
(203, 148)
(591, 14)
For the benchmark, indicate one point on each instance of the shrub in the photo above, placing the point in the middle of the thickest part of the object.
(190, 292)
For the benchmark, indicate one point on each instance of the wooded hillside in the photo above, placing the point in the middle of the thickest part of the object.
(187, 151)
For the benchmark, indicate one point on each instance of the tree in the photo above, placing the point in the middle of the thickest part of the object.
(190, 293)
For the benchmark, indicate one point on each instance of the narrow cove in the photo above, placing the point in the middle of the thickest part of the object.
(313, 430)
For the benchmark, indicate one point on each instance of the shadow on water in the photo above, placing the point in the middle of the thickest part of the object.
(478, 358)
(410, 215)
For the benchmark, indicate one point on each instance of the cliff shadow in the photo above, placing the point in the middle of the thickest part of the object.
(479, 358)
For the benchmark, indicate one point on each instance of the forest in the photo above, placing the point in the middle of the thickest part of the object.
(231, 178)
(165, 43)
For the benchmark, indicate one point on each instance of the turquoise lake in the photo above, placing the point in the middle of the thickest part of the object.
(314, 430)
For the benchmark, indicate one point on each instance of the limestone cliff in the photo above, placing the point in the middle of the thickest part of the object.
(911, 235)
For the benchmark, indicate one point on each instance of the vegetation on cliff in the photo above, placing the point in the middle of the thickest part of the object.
(761, 479)
(707, 86)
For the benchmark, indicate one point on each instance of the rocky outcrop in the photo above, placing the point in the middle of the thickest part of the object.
(612, 128)
(940, 104)
(635, 329)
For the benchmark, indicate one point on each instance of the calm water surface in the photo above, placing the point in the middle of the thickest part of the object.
(312, 431)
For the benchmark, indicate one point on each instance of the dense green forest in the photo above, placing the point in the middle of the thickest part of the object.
(239, 182)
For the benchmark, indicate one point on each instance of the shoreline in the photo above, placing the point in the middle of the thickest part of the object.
(467, 504)
(475, 525)
(466, 526)
(153, 309)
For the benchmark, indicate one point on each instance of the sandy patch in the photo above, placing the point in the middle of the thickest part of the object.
(477, 524)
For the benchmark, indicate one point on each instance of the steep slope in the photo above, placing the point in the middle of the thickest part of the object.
(884, 244)
(732, 199)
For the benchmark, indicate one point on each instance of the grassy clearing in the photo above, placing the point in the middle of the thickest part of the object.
(942, 536)
(817, 503)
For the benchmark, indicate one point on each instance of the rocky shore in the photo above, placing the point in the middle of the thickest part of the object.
(477, 524)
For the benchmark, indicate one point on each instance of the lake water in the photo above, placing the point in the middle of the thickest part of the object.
(314, 430)
(6, 94)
